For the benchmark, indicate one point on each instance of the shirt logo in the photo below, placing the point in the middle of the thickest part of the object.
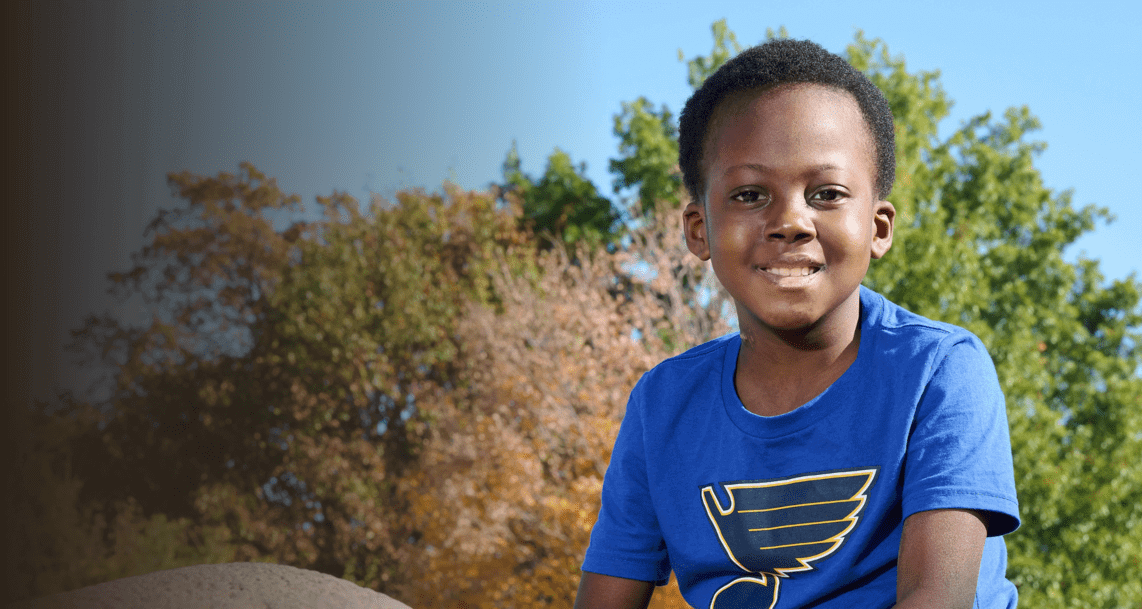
(776, 527)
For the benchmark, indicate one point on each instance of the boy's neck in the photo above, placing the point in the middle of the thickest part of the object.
(778, 372)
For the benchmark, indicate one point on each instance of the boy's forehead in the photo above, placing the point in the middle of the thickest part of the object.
(740, 101)
(734, 104)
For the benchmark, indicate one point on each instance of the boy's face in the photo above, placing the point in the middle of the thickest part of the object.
(790, 217)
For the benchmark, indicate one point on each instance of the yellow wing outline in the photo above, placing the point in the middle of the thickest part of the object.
(782, 498)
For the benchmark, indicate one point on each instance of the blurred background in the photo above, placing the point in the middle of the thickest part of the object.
(386, 102)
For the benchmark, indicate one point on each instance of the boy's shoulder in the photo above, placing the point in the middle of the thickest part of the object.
(703, 351)
(882, 319)
(698, 369)
(709, 353)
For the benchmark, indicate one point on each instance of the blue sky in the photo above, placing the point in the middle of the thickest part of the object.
(362, 97)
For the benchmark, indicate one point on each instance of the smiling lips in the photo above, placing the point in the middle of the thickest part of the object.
(786, 268)
(798, 271)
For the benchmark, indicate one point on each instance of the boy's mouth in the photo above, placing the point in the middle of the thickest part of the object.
(797, 271)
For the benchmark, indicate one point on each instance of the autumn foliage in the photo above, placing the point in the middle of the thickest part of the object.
(416, 398)
(421, 395)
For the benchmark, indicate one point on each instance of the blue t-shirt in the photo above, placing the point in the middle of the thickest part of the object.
(806, 508)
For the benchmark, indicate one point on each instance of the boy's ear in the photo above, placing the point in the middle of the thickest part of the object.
(694, 225)
(883, 220)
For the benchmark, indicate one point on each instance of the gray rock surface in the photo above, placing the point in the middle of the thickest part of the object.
(225, 586)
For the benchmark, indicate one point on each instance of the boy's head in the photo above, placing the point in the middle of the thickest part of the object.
(770, 65)
(788, 152)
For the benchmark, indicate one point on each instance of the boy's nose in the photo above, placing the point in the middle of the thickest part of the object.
(789, 221)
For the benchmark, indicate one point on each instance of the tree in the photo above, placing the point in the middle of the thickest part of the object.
(515, 457)
(973, 213)
(275, 397)
(648, 138)
(701, 67)
(64, 543)
(648, 154)
(563, 205)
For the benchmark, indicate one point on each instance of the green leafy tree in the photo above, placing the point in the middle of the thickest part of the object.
(648, 138)
(562, 205)
(648, 154)
(979, 242)
(725, 46)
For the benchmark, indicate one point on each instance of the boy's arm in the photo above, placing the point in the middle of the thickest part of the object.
(606, 592)
(940, 553)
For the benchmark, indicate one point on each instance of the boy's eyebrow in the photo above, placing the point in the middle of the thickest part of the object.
(764, 169)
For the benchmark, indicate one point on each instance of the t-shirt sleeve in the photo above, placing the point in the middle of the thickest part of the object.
(959, 451)
(626, 540)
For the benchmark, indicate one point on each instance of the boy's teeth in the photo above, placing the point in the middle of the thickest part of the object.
(788, 272)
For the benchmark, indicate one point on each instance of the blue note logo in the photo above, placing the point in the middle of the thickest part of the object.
(772, 528)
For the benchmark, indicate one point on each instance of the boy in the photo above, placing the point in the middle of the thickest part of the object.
(838, 451)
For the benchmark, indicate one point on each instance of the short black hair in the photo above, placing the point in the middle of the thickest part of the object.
(776, 63)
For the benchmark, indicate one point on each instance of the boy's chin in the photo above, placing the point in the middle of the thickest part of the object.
(795, 325)
(780, 325)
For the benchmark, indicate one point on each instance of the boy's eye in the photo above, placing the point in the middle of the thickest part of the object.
(827, 194)
(748, 196)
